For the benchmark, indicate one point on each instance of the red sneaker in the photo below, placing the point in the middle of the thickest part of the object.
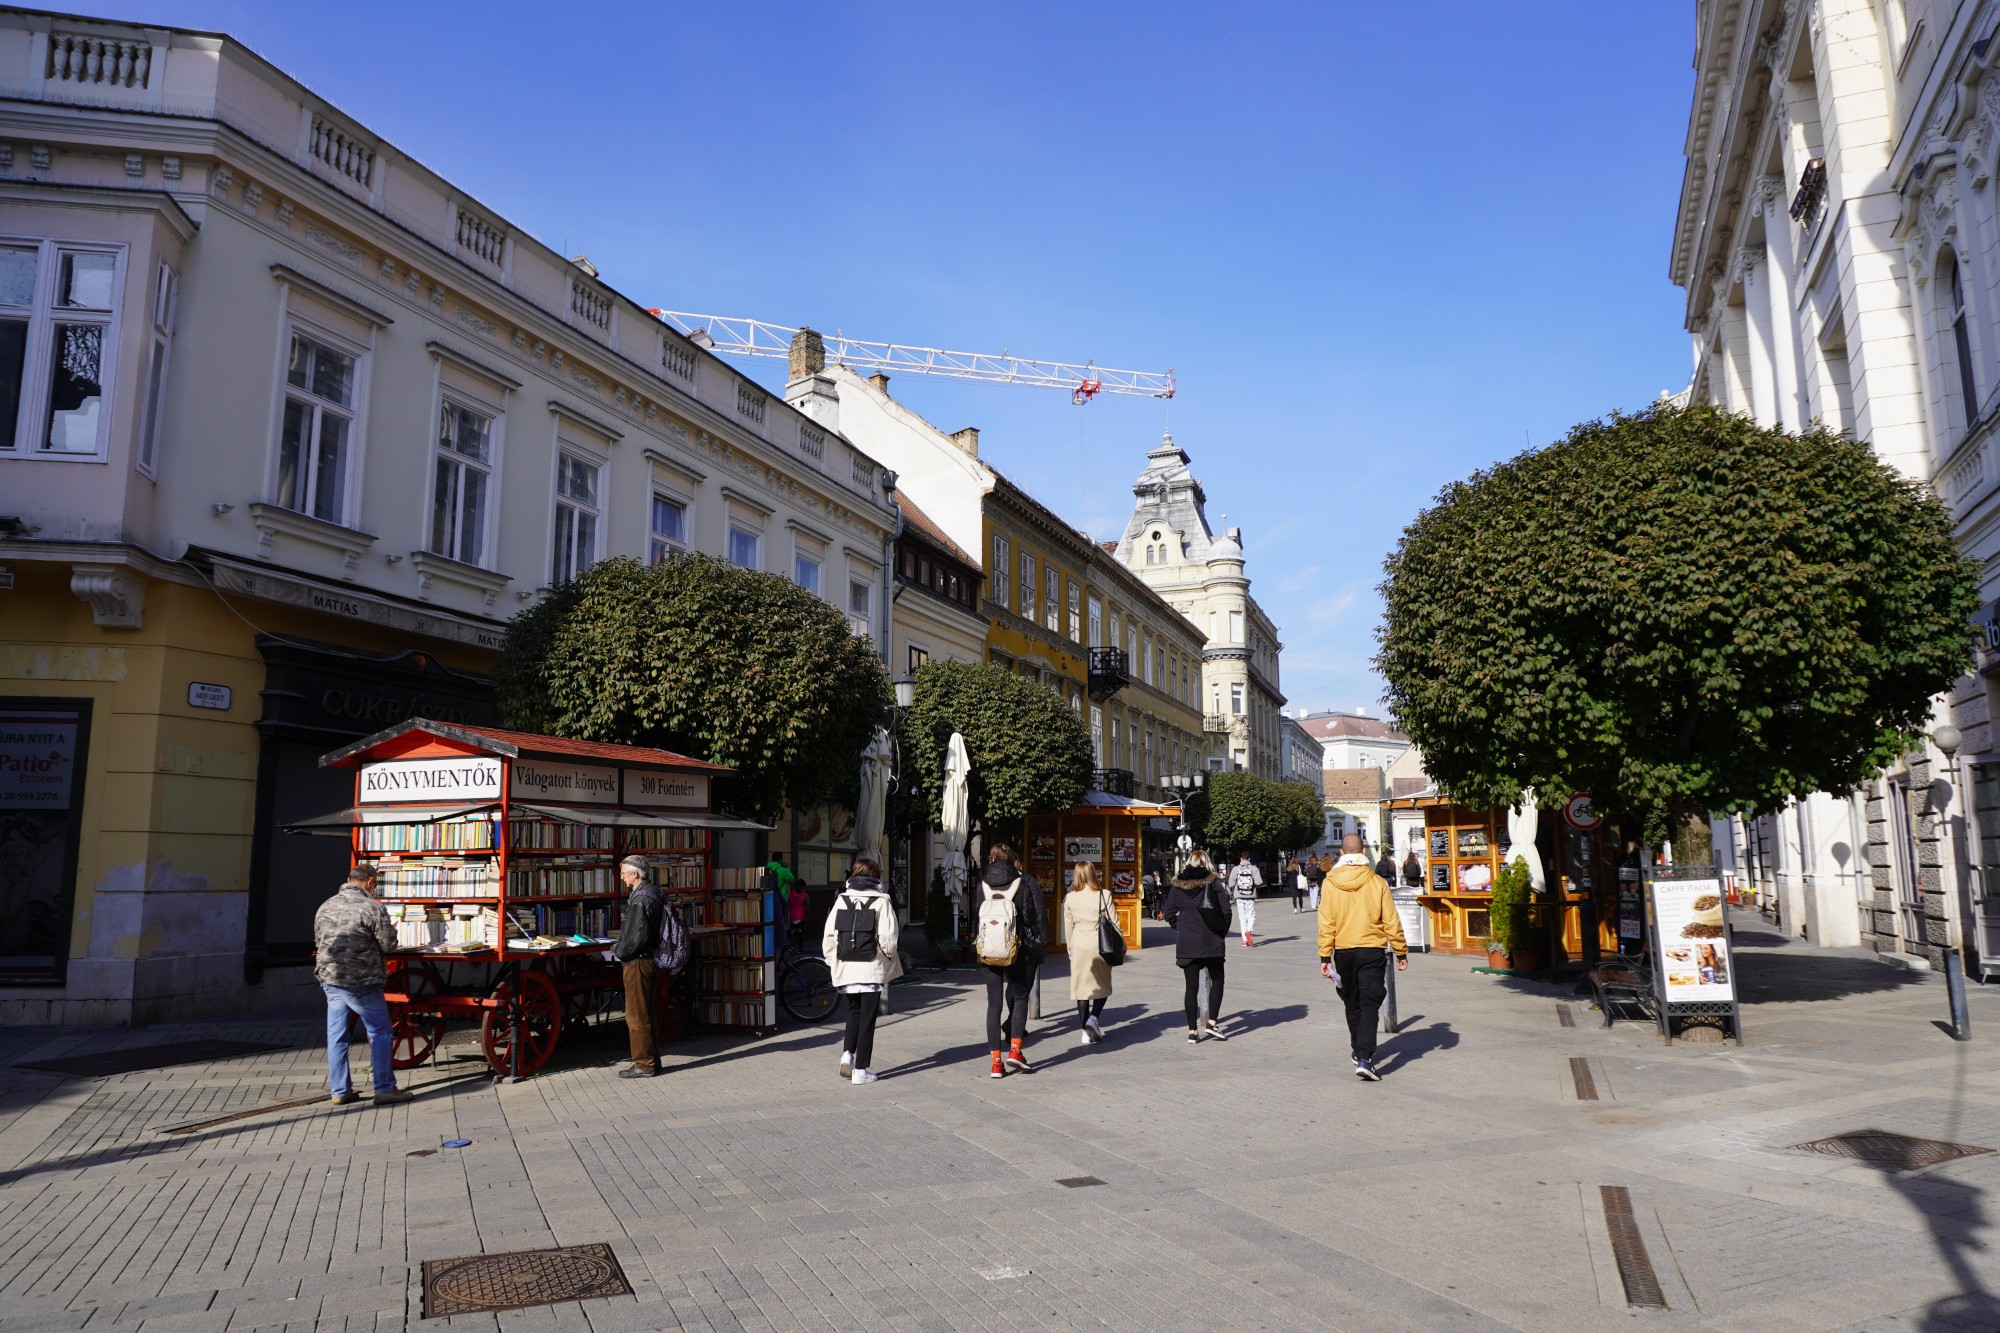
(999, 1070)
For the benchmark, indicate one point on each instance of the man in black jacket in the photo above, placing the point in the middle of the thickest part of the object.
(638, 942)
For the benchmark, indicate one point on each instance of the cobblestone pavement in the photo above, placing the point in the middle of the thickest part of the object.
(1247, 1185)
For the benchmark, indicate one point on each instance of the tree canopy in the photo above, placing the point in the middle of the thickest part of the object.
(1247, 813)
(1677, 611)
(698, 656)
(1029, 750)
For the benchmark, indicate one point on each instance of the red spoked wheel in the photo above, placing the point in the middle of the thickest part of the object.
(527, 1010)
(415, 1031)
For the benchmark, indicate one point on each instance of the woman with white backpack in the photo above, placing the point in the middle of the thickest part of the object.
(1010, 936)
(859, 944)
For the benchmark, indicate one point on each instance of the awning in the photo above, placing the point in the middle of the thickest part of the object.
(340, 821)
(618, 817)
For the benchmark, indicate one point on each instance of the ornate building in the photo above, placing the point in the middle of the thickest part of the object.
(1169, 544)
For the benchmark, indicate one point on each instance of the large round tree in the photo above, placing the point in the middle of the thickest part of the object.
(704, 658)
(1677, 611)
(1029, 750)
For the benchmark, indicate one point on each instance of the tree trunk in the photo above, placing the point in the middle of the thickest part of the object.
(1688, 831)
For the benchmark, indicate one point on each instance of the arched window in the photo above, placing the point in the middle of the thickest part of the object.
(1961, 339)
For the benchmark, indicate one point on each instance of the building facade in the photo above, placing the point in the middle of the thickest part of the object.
(934, 610)
(293, 427)
(1838, 241)
(1302, 758)
(1059, 609)
(1169, 544)
(1355, 740)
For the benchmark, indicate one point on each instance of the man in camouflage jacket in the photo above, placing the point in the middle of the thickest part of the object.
(351, 932)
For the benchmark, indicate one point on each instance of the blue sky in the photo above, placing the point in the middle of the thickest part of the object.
(1381, 246)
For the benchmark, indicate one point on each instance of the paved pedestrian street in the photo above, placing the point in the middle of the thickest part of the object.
(1249, 1185)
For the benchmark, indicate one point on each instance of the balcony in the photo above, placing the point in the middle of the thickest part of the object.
(1111, 781)
(1110, 672)
(1216, 722)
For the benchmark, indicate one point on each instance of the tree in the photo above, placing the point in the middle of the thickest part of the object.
(1678, 611)
(1029, 750)
(703, 658)
(1246, 813)
(1305, 816)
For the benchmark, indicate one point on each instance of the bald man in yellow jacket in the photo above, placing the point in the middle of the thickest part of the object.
(1357, 922)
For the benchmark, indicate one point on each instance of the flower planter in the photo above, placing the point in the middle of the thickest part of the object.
(1496, 959)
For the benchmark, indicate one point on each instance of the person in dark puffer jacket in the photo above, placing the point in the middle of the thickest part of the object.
(1198, 910)
(1031, 931)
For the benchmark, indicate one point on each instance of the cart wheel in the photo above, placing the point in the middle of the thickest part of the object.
(669, 1015)
(416, 1032)
(530, 1002)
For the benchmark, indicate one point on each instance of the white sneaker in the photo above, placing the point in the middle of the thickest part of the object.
(1096, 1028)
(847, 1064)
(864, 1076)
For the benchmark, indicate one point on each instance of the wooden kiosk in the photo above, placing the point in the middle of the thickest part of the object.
(1105, 831)
(498, 854)
(1463, 850)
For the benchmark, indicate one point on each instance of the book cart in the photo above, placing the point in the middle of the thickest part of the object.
(498, 856)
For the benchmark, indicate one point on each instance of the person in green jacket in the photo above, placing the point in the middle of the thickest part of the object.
(775, 870)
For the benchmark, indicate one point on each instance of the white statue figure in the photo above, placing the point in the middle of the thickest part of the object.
(1521, 825)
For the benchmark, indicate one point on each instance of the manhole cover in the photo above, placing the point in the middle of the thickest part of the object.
(1898, 1152)
(483, 1282)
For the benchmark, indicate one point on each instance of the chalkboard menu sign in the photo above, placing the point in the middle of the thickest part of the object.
(1440, 843)
(1441, 878)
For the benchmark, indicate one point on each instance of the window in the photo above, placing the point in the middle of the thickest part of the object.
(318, 425)
(1961, 343)
(1114, 745)
(742, 547)
(1146, 662)
(1236, 627)
(669, 528)
(576, 517)
(1075, 613)
(56, 310)
(918, 657)
(1002, 563)
(1027, 585)
(458, 502)
(860, 606)
(1236, 699)
(805, 573)
(1096, 623)
(1051, 600)
(1097, 735)
(166, 297)
(1116, 629)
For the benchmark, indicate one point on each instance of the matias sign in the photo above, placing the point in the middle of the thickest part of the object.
(469, 779)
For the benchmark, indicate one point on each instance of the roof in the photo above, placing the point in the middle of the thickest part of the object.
(1408, 786)
(513, 744)
(1353, 784)
(1112, 547)
(1336, 726)
(917, 520)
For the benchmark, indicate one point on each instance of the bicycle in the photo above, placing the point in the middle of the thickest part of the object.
(805, 982)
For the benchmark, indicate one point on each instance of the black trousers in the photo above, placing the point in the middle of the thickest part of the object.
(1087, 1009)
(1191, 970)
(1364, 980)
(1011, 983)
(1298, 893)
(862, 1010)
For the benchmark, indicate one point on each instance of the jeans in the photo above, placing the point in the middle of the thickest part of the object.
(862, 1008)
(1192, 972)
(1313, 894)
(1364, 981)
(374, 1011)
(1246, 915)
(1013, 981)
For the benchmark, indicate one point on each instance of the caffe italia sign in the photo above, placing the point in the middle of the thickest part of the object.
(556, 782)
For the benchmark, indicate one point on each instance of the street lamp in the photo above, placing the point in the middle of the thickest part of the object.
(1948, 738)
(906, 691)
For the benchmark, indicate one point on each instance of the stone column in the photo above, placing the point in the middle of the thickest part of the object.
(1781, 295)
(1762, 347)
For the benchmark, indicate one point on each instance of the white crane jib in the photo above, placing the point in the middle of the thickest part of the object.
(754, 337)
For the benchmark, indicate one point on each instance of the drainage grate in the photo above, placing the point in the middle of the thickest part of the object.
(1564, 1017)
(485, 1282)
(1635, 1270)
(1897, 1152)
(1579, 1072)
(134, 1058)
(1078, 1182)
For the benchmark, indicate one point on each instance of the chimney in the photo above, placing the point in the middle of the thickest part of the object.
(808, 354)
(967, 439)
(880, 383)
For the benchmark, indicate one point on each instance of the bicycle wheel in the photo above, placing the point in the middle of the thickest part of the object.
(805, 990)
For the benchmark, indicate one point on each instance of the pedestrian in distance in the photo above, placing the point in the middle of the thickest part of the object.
(778, 878)
(1295, 880)
(1089, 974)
(351, 933)
(1245, 880)
(636, 952)
(1357, 921)
(860, 942)
(1010, 937)
(1386, 867)
(1413, 871)
(1199, 913)
(1315, 872)
(1149, 893)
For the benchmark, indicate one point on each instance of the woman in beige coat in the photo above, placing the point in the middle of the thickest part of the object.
(1089, 974)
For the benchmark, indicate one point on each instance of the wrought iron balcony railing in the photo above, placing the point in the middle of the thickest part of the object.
(1110, 672)
(1111, 781)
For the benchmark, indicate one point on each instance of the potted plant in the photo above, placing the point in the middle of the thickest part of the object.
(1507, 915)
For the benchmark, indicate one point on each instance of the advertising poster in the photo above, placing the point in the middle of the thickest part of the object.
(37, 759)
(1125, 849)
(1693, 947)
(1083, 849)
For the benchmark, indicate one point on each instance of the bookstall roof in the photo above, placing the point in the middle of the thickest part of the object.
(622, 818)
(340, 821)
(516, 744)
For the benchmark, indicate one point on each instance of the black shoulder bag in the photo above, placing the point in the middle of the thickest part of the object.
(1110, 940)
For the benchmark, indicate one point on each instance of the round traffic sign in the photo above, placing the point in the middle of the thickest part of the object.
(1579, 814)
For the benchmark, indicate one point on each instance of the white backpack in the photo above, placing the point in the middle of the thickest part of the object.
(995, 939)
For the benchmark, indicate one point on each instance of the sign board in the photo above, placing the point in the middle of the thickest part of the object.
(1579, 814)
(676, 791)
(203, 695)
(37, 759)
(1083, 849)
(471, 778)
(1693, 947)
(564, 783)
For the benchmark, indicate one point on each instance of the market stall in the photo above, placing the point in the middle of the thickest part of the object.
(1105, 831)
(498, 861)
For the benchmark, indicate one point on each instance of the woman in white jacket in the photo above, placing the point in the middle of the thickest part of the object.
(862, 981)
(1089, 974)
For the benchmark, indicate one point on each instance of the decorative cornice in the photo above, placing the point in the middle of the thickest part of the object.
(116, 597)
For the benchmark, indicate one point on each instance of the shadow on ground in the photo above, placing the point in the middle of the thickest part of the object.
(1794, 978)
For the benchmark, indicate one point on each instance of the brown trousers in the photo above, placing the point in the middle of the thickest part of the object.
(639, 1013)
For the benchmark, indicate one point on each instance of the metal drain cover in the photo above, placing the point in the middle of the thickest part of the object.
(1897, 1152)
(1078, 1182)
(486, 1282)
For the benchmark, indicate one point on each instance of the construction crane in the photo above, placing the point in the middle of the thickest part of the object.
(753, 337)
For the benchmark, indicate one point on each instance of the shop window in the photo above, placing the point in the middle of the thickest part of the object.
(316, 433)
(58, 310)
(166, 298)
(576, 517)
(43, 746)
(669, 528)
(464, 468)
(742, 547)
(1002, 563)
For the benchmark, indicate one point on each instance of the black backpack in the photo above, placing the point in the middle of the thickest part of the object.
(854, 927)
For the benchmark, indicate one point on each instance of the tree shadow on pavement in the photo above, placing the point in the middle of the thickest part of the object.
(1952, 1211)
(1790, 978)
(1411, 1045)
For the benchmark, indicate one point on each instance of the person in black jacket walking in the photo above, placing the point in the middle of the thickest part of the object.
(1012, 982)
(638, 942)
(1199, 914)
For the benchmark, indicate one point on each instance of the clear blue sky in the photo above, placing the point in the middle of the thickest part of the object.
(1381, 245)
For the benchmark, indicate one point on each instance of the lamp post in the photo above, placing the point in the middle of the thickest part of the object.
(1948, 738)
(1183, 785)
